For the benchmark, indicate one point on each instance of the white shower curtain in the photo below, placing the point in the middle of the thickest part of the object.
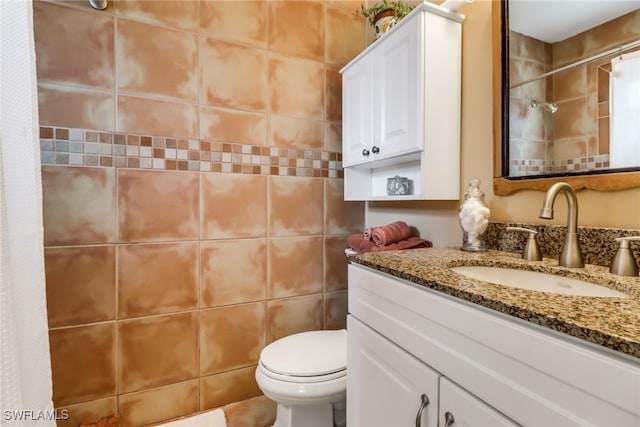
(25, 367)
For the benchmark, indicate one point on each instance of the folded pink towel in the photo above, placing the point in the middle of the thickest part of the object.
(390, 233)
(358, 243)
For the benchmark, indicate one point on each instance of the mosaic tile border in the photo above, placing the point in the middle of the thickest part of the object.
(93, 148)
(580, 164)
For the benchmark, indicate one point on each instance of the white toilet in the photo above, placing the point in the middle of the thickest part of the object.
(306, 375)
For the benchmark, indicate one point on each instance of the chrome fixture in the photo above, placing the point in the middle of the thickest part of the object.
(550, 107)
(98, 4)
(623, 262)
(531, 250)
(571, 255)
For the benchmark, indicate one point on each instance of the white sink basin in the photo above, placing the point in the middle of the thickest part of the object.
(536, 281)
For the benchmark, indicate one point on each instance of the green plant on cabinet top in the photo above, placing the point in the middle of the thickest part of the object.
(383, 16)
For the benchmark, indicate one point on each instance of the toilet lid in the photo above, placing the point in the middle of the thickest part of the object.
(307, 354)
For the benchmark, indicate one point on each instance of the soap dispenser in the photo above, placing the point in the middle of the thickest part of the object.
(623, 262)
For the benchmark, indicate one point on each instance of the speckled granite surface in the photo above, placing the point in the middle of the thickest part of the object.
(611, 322)
(598, 244)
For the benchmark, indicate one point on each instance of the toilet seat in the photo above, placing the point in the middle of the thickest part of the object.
(306, 357)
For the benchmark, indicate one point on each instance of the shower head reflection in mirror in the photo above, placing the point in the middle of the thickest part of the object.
(549, 106)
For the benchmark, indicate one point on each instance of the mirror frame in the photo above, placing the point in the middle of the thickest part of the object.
(609, 181)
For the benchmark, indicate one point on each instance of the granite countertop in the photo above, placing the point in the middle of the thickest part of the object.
(611, 322)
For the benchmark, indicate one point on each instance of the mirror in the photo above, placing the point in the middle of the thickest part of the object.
(565, 108)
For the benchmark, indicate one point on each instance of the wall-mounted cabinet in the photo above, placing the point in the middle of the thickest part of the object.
(401, 110)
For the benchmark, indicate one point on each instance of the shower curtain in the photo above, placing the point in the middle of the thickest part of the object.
(624, 147)
(25, 367)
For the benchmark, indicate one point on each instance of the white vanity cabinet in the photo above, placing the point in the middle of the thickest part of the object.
(385, 384)
(389, 387)
(492, 369)
(401, 109)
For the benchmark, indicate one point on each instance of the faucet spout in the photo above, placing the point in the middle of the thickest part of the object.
(571, 255)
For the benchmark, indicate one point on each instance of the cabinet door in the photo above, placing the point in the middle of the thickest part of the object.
(357, 111)
(458, 407)
(398, 89)
(385, 384)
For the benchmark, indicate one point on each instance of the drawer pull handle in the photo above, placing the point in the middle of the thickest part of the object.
(365, 152)
(375, 150)
(423, 405)
(448, 419)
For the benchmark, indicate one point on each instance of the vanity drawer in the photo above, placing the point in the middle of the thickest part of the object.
(533, 375)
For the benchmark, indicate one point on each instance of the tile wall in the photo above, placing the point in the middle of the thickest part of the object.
(576, 137)
(193, 201)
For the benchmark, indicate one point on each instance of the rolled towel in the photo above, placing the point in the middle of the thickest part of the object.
(367, 233)
(390, 233)
(358, 243)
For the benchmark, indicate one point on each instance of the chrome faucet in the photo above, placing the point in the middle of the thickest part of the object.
(571, 255)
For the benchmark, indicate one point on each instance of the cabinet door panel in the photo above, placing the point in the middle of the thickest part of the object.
(357, 111)
(397, 71)
(385, 383)
(466, 409)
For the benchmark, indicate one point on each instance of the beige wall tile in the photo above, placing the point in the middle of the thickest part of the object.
(157, 61)
(612, 34)
(341, 217)
(240, 21)
(297, 28)
(87, 412)
(292, 315)
(181, 14)
(231, 337)
(79, 205)
(232, 75)
(570, 148)
(233, 206)
(76, 108)
(568, 50)
(335, 310)
(73, 46)
(156, 205)
(335, 263)
(83, 363)
(571, 119)
(157, 351)
(256, 412)
(296, 87)
(570, 84)
(81, 285)
(346, 34)
(296, 133)
(157, 278)
(228, 387)
(295, 206)
(156, 117)
(333, 80)
(159, 404)
(221, 124)
(295, 266)
(233, 271)
(333, 136)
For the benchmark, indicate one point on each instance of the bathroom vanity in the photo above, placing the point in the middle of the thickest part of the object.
(429, 347)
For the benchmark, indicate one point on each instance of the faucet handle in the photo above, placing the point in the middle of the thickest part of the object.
(623, 262)
(531, 250)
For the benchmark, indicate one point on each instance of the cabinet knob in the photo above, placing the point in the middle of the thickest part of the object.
(423, 405)
(448, 419)
(365, 152)
(375, 150)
